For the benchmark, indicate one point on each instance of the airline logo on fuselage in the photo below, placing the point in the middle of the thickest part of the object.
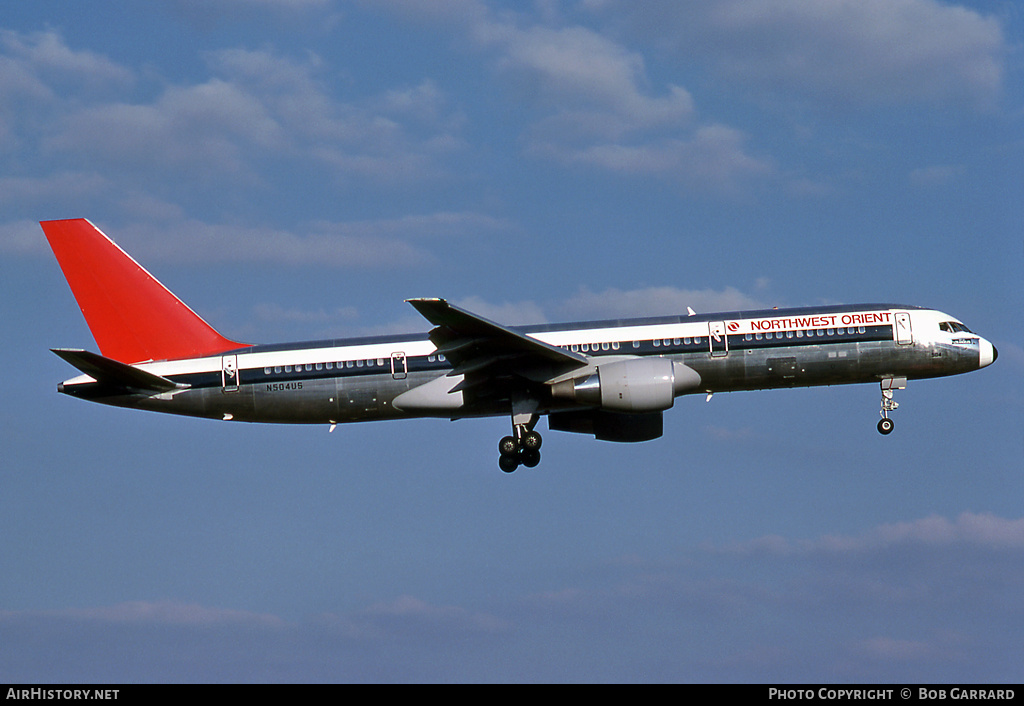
(867, 318)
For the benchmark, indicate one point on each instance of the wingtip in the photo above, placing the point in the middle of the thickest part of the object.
(427, 304)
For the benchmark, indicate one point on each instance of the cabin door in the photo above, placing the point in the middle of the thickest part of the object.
(904, 336)
(399, 366)
(717, 339)
(229, 373)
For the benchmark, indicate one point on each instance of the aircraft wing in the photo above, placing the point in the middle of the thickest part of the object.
(477, 347)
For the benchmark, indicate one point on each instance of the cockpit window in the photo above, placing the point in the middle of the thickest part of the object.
(954, 327)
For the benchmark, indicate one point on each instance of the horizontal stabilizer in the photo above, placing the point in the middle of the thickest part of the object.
(111, 372)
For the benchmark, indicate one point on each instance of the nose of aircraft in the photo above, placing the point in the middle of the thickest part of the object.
(987, 354)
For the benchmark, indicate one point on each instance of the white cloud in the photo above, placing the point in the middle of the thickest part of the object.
(598, 110)
(39, 74)
(934, 175)
(595, 85)
(453, 12)
(507, 313)
(254, 107)
(837, 52)
(22, 237)
(396, 133)
(399, 242)
(60, 185)
(409, 611)
(968, 530)
(712, 157)
(895, 650)
(331, 245)
(152, 612)
(611, 304)
(654, 301)
(46, 54)
(973, 529)
(275, 313)
(206, 126)
(591, 100)
(946, 608)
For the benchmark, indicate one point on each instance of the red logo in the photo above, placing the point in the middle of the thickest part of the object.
(734, 326)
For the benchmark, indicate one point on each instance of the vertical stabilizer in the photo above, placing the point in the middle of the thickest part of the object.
(132, 316)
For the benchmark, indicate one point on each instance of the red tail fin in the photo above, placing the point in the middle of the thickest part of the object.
(132, 316)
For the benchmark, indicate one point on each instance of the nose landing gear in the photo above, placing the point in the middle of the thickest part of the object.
(885, 425)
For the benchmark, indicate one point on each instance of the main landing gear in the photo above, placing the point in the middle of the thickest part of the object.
(885, 425)
(523, 447)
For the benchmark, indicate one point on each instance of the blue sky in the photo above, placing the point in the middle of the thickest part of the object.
(296, 169)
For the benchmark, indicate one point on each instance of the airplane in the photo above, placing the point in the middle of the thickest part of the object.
(609, 379)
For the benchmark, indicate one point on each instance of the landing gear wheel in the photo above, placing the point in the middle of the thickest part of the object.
(508, 446)
(885, 426)
(531, 441)
(508, 464)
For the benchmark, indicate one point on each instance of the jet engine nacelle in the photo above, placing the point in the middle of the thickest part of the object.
(635, 385)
